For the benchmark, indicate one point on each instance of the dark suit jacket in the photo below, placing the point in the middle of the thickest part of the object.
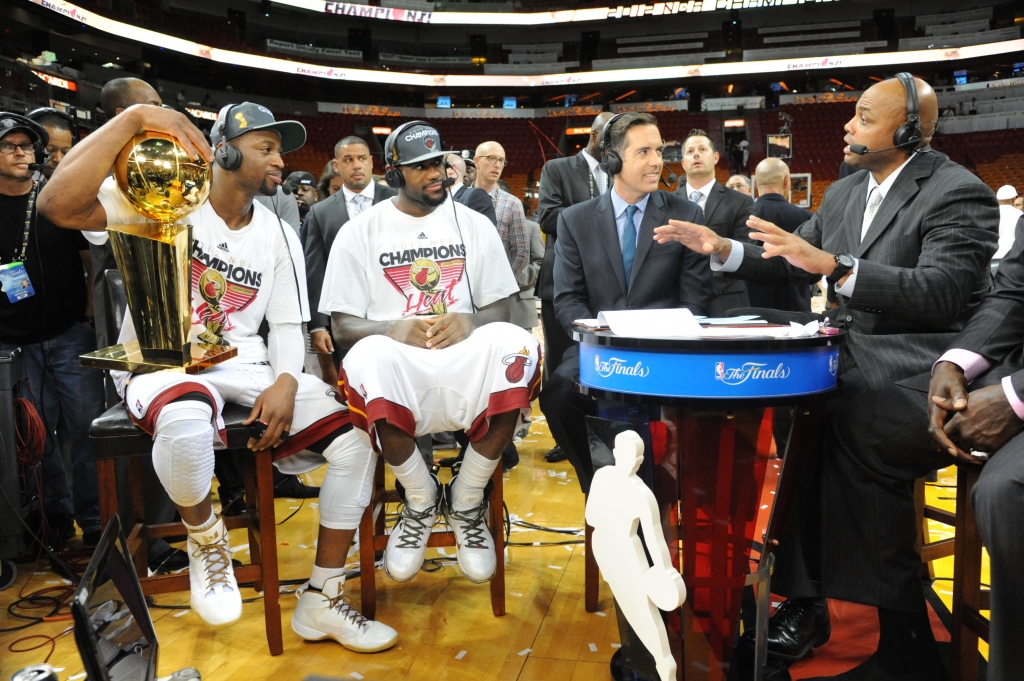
(322, 223)
(794, 298)
(478, 200)
(589, 277)
(997, 330)
(726, 212)
(923, 263)
(564, 182)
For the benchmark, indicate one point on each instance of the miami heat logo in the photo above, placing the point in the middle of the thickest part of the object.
(211, 286)
(428, 142)
(424, 274)
(220, 298)
(515, 365)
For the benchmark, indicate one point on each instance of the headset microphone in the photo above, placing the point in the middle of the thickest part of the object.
(447, 182)
(861, 150)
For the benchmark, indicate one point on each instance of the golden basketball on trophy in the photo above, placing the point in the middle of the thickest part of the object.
(164, 184)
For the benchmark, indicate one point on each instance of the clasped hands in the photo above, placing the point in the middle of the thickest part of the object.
(776, 242)
(433, 333)
(982, 421)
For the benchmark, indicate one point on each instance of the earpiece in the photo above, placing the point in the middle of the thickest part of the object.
(227, 156)
(42, 156)
(909, 134)
(610, 159)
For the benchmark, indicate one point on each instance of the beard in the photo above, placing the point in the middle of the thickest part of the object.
(268, 188)
(435, 202)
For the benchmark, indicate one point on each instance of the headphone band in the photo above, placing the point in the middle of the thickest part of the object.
(606, 132)
(910, 87)
(44, 111)
(392, 141)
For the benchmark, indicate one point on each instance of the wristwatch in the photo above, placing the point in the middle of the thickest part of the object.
(844, 263)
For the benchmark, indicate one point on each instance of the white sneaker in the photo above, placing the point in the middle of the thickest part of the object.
(474, 546)
(215, 595)
(325, 613)
(407, 543)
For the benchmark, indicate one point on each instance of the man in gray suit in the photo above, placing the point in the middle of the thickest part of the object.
(905, 244)
(353, 162)
(564, 182)
(606, 259)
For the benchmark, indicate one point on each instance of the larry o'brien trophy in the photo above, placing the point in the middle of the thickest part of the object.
(155, 259)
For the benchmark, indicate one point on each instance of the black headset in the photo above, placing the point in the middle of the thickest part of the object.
(392, 174)
(42, 137)
(909, 134)
(609, 158)
(227, 156)
(71, 120)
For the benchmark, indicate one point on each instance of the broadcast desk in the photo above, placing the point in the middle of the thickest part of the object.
(699, 404)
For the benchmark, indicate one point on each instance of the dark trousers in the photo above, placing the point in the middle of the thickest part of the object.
(566, 411)
(998, 502)
(556, 342)
(852, 532)
(61, 389)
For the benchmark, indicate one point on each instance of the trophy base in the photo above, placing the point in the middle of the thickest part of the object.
(128, 357)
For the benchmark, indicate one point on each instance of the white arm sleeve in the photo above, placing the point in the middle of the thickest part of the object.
(286, 349)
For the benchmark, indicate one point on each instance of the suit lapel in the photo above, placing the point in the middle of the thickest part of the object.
(583, 170)
(855, 205)
(902, 191)
(342, 213)
(714, 198)
(609, 236)
(645, 237)
(378, 196)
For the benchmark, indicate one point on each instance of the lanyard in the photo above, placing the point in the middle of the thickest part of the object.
(29, 212)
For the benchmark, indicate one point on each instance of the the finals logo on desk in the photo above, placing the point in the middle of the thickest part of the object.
(749, 371)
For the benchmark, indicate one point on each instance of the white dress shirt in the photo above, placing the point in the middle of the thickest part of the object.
(1008, 217)
(600, 176)
(352, 204)
(705, 192)
(732, 263)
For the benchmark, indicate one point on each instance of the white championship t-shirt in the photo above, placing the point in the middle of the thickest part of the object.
(239, 277)
(385, 264)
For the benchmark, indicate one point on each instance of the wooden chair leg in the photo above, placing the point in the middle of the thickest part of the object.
(137, 516)
(268, 551)
(249, 475)
(966, 580)
(106, 476)
(923, 535)
(497, 508)
(367, 572)
(591, 573)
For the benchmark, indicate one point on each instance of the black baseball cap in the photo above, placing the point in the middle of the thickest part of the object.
(14, 122)
(467, 156)
(234, 120)
(415, 143)
(300, 177)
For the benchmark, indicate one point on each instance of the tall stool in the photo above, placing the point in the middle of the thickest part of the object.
(115, 436)
(931, 550)
(969, 599)
(373, 540)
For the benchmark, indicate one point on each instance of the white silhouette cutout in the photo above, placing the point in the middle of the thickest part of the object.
(617, 502)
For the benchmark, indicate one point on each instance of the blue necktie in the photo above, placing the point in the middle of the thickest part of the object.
(628, 242)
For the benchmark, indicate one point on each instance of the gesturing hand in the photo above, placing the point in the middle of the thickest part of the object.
(947, 392)
(987, 423)
(448, 329)
(797, 252)
(696, 237)
(274, 407)
(412, 331)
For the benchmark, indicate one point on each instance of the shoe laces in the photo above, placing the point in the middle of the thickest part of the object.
(217, 559)
(471, 523)
(347, 610)
(413, 523)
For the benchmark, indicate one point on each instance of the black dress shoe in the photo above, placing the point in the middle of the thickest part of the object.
(555, 455)
(171, 560)
(290, 487)
(871, 670)
(774, 670)
(797, 626)
(91, 538)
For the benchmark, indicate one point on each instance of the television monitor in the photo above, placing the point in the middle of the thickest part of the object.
(509, 102)
(444, 102)
(780, 146)
(112, 626)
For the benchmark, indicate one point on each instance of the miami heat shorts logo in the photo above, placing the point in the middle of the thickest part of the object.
(424, 274)
(515, 365)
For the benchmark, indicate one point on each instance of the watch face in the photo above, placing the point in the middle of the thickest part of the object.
(845, 259)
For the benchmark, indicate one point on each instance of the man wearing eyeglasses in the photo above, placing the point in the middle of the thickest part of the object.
(490, 162)
(43, 313)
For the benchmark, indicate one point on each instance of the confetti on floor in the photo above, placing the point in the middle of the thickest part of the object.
(462, 654)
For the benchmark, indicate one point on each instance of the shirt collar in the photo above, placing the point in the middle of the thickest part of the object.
(591, 161)
(886, 184)
(367, 191)
(705, 190)
(619, 204)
